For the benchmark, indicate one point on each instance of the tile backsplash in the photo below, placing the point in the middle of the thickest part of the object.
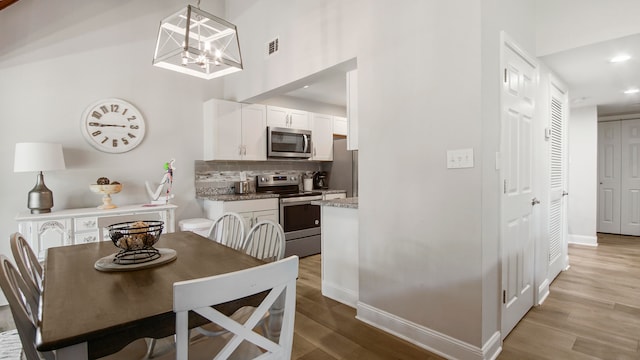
(218, 177)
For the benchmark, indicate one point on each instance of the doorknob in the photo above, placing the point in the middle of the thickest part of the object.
(564, 193)
(535, 201)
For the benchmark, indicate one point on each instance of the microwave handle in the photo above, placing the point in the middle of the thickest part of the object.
(306, 143)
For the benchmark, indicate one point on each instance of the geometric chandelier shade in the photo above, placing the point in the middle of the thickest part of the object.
(194, 42)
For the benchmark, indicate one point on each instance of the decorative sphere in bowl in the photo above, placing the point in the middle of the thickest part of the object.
(135, 235)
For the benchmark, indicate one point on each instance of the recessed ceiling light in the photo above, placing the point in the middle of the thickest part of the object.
(620, 58)
(632, 91)
(306, 86)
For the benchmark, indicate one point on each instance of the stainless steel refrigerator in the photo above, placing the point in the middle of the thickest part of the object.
(343, 173)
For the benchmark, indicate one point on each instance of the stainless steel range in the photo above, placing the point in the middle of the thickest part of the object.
(299, 219)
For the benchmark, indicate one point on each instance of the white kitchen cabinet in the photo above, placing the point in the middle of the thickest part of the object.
(288, 118)
(340, 125)
(322, 137)
(234, 131)
(339, 264)
(352, 110)
(251, 211)
(77, 226)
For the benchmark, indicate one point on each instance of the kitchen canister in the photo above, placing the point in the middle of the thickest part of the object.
(307, 184)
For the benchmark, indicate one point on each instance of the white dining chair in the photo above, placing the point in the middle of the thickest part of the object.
(21, 299)
(200, 295)
(27, 263)
(265, 241)
(228, 230)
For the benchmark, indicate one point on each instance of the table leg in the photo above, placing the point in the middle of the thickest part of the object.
(75, 352)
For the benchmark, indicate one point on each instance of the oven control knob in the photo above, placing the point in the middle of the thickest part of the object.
(263, 179)
(294, 178)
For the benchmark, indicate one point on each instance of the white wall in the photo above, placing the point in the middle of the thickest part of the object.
(429, 258)
(56, 58)
(583, 170)
(566, 24)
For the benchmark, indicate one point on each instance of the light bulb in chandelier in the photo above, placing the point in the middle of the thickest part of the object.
(217, 57)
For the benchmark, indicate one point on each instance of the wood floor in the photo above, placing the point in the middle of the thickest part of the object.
(593, 312)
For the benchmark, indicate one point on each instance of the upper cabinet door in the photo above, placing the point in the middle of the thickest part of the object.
(254, 132)
(287, 118)
(222, 130)
(299, 119)
(322, 137)
(277, 117)
(340, 125)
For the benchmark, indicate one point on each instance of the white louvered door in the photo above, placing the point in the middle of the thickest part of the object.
(557, 183)
(630, 178)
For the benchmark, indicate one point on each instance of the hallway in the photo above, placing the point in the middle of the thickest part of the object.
(593, 310)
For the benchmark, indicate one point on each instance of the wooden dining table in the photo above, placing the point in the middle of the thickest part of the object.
(87, 313)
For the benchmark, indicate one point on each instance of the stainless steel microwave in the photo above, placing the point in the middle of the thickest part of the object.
(288, 143)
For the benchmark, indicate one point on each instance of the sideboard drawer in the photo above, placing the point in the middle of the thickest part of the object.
(86, 223)
(86, 237)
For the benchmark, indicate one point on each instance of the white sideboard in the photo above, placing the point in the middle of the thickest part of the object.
(77, 226)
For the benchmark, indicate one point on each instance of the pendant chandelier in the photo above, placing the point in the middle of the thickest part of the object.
(194, 42)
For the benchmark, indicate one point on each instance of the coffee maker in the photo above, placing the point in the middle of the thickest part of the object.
(320, 180)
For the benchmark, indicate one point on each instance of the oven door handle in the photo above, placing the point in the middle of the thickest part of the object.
(301, 200)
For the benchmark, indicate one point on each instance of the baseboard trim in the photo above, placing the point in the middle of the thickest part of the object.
(583, 240)
(436, 342)
(345, 296)
(543, 291)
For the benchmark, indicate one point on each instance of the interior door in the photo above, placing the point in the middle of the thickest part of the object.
(517, 104)
(630, 177)
(609, 177)
(557, 183)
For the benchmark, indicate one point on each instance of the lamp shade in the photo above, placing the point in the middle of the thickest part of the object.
(194, 42)
(38, 157)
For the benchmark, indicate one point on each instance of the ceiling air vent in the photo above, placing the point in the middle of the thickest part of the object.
(273, 46)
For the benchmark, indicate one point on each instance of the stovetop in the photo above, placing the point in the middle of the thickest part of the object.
(286, 186)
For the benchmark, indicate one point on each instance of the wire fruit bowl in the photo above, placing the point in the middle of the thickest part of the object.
(135, 240)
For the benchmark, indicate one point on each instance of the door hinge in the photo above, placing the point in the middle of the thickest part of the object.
(505, 75)
(504, 296)
(505, 186)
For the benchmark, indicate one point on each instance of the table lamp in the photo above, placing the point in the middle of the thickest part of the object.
(39, 157)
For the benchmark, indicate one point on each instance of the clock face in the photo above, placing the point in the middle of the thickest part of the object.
(113, 125)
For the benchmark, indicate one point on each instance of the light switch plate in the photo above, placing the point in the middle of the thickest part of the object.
(460, 158)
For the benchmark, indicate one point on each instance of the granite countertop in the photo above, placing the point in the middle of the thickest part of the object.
(254, 196)
(332, 191)
(349, 203)
(236, 197)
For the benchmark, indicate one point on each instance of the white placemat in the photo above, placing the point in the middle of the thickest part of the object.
(106, 263)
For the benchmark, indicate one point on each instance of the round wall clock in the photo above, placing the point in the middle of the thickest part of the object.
(113, 125)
